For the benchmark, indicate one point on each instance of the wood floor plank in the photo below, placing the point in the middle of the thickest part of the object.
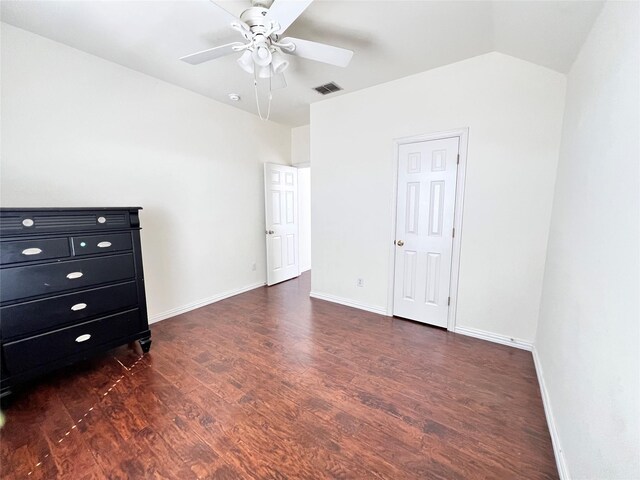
(271, 384)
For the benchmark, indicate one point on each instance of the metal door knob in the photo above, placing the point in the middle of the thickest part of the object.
(400, 243)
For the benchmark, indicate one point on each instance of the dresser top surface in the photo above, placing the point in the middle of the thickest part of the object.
(65, 209)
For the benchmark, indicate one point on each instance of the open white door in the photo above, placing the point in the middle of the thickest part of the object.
(424, 229)
(281, 222)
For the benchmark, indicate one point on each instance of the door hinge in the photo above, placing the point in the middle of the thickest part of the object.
(449, 301)
(458, 162)
(453, 234)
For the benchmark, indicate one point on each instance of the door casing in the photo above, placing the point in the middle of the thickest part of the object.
(463, 135)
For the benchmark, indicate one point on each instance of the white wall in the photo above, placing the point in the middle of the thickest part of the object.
(304, 221)
(300, 149)
(514, 113)
(588, 339)
(80, 131)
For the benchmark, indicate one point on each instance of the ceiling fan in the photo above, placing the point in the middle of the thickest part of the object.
(261, 27)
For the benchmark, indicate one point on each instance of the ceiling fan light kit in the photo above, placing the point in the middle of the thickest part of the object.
(246, 62)
(261, 27)
(278, 62)
(261, 54)
(265, 72)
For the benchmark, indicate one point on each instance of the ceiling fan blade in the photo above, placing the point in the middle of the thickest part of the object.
(278, 81)
(318, 51)
(229, 17)
(210, 54)
(285, 12)
(232, 21)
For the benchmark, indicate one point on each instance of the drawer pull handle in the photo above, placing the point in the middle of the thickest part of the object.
(31, 251)
(73, 275)
(104, 244)
(79, 306)
(83, 338)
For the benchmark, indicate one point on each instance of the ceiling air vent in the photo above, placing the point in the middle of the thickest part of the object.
(328, 88)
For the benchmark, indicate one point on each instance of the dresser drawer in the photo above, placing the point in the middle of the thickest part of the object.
(28, 318)
(26, 222)
(33, 352)
(36, 249)
(33, 280)
(109, 242)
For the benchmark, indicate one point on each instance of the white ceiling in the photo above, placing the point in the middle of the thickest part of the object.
(391, 39)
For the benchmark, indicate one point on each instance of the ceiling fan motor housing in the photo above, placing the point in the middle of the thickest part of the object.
(256, 19)
(263, 42)
(262, 3)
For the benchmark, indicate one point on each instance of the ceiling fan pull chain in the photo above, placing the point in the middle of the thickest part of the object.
(255, 87)
(270, 96)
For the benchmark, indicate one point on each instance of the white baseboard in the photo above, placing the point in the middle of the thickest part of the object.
(561, 462)
(348, 303)
(495, 338)
(471, 332)
(201, 303)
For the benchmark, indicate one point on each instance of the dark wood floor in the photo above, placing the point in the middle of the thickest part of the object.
(272, 384)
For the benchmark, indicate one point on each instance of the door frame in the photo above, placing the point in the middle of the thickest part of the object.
(463, 135)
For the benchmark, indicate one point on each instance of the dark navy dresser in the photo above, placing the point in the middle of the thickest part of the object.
(71, 285)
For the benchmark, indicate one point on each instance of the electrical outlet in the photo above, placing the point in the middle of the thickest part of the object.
(253, 266)
(360, 282)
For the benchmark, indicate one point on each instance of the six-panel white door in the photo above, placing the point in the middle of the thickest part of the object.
(281, 218)
(424, 229)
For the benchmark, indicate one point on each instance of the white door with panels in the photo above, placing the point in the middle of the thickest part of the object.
(281, 218)
(424, 229)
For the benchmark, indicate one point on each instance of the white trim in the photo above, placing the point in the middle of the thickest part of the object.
(392, 240)
(463, 135)
(468, 331)
(201, 303)
(495, 338)
(457, 223)
(561, 462)
(348, 303)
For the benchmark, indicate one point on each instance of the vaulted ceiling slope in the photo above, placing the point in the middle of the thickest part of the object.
(391, 39)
